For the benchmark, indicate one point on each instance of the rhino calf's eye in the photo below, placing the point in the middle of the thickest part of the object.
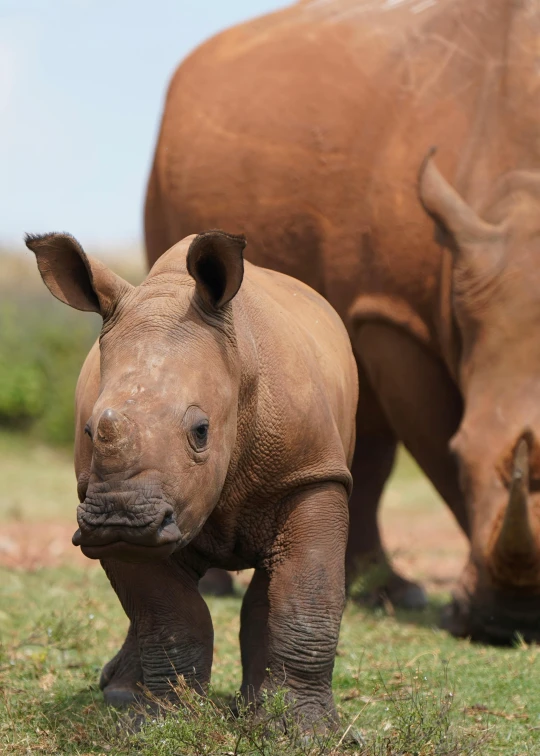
(88, 430)
(199, 435)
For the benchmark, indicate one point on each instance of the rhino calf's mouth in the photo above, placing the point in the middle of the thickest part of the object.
(109, 532)
(127, 552)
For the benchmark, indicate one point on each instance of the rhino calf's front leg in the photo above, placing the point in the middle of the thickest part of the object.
(306, 598)
(171, 622)
(121, 678)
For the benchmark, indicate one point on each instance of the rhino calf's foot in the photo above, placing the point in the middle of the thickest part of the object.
(294, 607)
(122, 676)
(122, 698)
(312, 720)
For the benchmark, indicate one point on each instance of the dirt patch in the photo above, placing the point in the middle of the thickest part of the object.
(425, 545)
(30, 545)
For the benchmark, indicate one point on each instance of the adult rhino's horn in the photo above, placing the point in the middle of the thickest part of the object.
(516, 538)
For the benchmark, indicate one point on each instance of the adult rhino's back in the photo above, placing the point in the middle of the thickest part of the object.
(239, 142)
(305, 129)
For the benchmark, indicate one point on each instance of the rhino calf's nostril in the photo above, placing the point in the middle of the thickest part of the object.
(168, 520)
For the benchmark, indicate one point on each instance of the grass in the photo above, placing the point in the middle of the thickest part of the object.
(406, 687)
(403, 687)
(38, 481)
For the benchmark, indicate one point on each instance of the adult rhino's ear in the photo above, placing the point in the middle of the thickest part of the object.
(459, 227)
(216, 261)
(73, 277)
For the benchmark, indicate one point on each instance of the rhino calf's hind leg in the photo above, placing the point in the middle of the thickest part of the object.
(254, 635)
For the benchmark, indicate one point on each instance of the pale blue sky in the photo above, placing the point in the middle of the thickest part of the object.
(81, 89)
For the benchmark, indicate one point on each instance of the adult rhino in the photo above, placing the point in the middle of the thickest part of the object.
(306, 129)
(215, 426)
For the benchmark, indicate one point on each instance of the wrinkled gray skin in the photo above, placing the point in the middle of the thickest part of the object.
(215, 428)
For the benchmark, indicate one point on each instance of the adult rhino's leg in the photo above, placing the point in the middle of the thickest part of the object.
(254, 635)
(171, 622)
(122, 677)
(366, 562)
(420, 402)
(306, 596)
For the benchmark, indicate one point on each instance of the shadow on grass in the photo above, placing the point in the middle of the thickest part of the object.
(430, 617)
(70, 722)
(369, 595)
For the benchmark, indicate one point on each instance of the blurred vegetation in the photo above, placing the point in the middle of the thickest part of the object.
(43, 344)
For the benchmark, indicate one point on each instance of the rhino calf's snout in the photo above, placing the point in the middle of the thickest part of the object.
(112, 528)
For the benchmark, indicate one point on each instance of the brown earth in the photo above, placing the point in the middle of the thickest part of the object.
(38, 516)
(30, 545)
(425, 544)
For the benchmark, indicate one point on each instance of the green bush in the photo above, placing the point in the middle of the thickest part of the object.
(42, 347)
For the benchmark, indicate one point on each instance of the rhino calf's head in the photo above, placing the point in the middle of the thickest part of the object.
(164, 425)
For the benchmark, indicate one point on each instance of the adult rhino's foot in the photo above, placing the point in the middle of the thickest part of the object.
(216, 582)
(380, 586)
(122, 676)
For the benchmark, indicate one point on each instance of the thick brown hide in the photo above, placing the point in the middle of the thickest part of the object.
(215, 429)
(306, 129)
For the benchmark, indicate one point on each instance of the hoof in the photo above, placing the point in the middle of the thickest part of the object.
(123, 677)
(122, 698)
(107, 673)
(449, 619)
(409, 596)
(400, 593)
(123, 671)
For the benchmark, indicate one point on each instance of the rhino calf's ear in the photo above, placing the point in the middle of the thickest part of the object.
(216, 261)
(73, 277)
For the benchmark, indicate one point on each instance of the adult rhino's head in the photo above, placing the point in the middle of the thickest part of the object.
(164, 425)
(495, 351)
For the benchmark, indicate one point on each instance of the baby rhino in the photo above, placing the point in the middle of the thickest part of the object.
(215, 428)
